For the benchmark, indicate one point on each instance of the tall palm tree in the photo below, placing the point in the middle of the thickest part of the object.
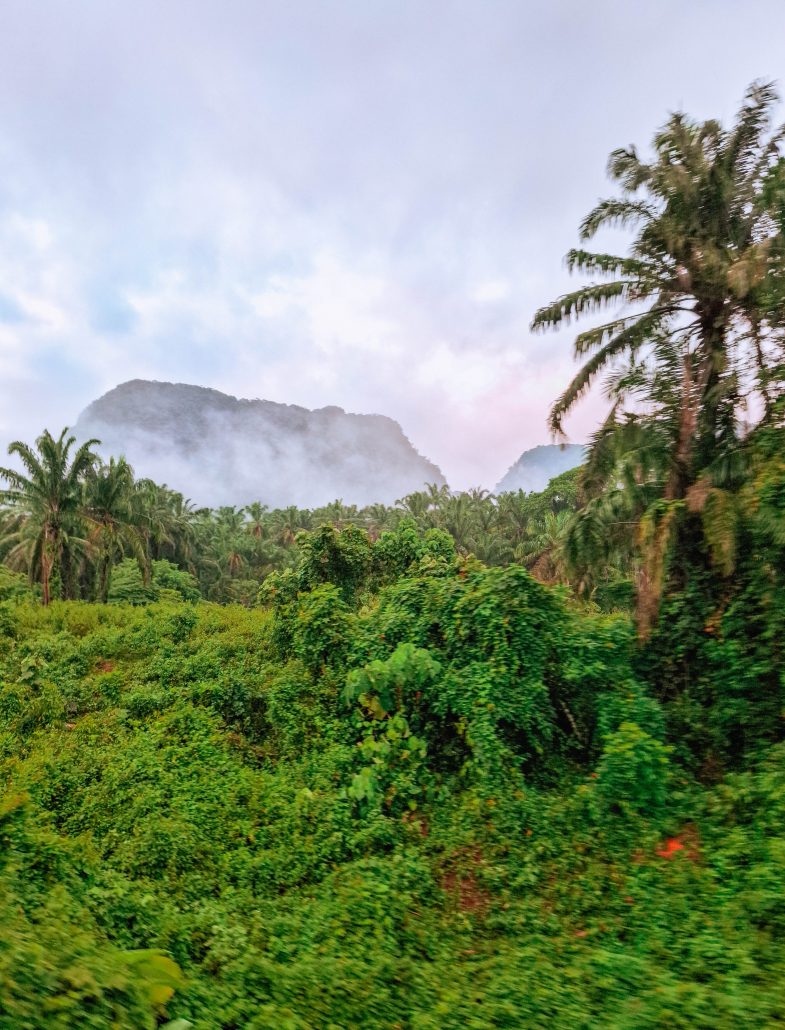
(228, 538)
(49, 500)
(287, 523)
(417, 504)
(706, 243)
(456, 516)
(515, 515)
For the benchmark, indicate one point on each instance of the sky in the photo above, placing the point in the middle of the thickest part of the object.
(354, 202)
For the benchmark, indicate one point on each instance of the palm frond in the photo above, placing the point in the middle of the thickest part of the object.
(590, 298)
(616, 213)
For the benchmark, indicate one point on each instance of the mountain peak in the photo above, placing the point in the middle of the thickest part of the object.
(536, 467)
(218, 449)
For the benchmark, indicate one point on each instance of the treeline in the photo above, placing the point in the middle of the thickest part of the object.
(82, 528)
(406, 789)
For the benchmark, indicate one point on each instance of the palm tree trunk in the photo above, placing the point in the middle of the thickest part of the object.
(46, 569)
(763, 378)
(104, 567)
(682, 459)
(67, 585)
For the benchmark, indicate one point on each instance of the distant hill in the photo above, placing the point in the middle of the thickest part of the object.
(217, 449)
(535, 468)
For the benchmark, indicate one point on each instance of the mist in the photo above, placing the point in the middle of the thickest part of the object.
(221, 450)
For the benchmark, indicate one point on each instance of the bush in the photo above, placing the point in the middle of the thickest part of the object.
(632, 776)
(322, 628)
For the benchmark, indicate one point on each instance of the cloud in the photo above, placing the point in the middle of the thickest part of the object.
(491, 291)
(358, 204)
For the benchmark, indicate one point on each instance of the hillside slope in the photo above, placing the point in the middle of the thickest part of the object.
(218, 449)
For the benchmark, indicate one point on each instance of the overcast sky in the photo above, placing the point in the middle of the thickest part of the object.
(352, 202)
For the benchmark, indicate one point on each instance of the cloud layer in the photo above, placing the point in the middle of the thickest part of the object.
(357, 204)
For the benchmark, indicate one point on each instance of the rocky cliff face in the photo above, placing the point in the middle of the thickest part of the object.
(535, 468)
(217, 449)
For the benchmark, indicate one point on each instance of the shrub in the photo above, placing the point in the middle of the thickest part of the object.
(632, 776)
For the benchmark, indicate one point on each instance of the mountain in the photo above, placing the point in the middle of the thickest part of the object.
(217, 449)
(536, 467)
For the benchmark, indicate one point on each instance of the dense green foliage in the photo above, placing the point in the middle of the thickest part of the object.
(408, 790)
(113, 521)
(428, 772)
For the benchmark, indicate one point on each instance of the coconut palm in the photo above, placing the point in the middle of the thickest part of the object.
(48, 499)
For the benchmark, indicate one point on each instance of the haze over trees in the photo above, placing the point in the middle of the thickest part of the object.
(459, 761)
(221, 450)
(114, 529)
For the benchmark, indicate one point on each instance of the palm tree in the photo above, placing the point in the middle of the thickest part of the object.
(706, 245)
(543, 552)
(228, 539)
(514, 515)
(417, 504)
(336, 513)
(437, 495)
(48, 498)
(456, 516)
(287, 523)
(109, 508)
(256, 524)
(425, 506)
(167, 521)
(377, 518)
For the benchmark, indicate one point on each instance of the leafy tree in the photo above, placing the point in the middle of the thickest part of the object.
(341, 557)
(128, 586)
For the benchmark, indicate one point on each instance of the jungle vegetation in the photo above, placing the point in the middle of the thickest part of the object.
(464, 762)
(80, 528)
